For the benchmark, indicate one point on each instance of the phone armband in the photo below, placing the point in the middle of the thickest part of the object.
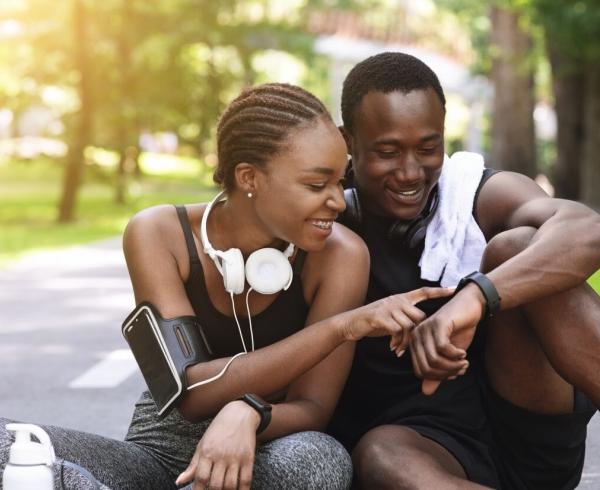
(185, 341)
(163, 349)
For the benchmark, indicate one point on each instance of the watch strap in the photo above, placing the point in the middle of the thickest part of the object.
(262, 407)
(487, 288)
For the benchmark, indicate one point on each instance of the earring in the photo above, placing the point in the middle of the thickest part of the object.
(249, 195)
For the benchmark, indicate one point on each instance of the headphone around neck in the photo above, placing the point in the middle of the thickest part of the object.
(267, 270)
(410, 234)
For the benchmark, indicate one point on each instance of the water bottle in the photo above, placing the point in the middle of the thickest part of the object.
(29, 465)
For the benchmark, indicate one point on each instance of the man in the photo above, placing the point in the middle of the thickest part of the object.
(516, 418)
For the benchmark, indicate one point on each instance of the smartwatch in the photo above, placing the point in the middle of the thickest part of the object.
(262, 407)
(492, 298)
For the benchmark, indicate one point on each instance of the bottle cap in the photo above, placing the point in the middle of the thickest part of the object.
(24, 451)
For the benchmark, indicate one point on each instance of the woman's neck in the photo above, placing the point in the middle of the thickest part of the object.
(232, 223)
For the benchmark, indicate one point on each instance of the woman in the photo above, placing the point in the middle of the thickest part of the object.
(281, 160)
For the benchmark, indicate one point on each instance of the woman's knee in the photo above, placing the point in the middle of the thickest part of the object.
(305, 460)
(506, 245)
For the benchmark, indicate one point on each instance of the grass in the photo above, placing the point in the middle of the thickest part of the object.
(595, 281)
(30, 192)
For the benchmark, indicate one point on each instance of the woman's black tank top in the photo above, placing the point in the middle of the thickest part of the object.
(285, 316)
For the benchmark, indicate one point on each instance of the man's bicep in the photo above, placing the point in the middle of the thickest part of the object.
(508, 200)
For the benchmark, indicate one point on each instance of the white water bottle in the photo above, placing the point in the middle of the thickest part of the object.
(29, 465)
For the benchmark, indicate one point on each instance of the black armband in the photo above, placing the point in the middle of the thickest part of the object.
(185, 341)
(164, 349)
(492, 298)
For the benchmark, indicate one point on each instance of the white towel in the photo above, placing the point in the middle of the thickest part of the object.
(454, 243)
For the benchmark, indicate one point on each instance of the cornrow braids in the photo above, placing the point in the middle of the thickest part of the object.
(386, 72)
(255, 126)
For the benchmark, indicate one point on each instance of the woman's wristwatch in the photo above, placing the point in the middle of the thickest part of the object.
(261, 406)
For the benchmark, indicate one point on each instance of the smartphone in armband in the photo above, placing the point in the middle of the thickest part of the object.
(163, 349)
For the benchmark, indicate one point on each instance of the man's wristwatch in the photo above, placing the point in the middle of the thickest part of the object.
(492, 298)
(262, 407)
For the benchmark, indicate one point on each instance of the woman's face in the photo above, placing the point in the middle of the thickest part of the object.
(299, 194)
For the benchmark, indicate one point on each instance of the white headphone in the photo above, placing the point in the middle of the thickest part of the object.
(267, 270)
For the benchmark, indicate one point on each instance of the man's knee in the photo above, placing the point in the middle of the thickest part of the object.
(382, 463)
(506, 245)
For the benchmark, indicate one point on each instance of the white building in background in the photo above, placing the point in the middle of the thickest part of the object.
(468, 97)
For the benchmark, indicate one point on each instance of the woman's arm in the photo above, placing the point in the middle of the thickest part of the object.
(153, 245)
(156, 257)
(329, 291)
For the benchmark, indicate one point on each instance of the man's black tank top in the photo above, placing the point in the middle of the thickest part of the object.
(285, 316)
(382, 388)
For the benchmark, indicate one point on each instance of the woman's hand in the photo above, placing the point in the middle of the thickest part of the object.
(395, 315)
(224, 457)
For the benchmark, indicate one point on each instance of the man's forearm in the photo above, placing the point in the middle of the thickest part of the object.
(562, 254)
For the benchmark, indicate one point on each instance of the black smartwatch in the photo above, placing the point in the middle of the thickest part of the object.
(262, 407)
(492, 298)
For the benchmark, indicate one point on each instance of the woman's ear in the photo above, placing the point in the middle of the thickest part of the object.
(245, 177)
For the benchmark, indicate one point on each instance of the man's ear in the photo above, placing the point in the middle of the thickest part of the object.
(245, 177)
(347, 138)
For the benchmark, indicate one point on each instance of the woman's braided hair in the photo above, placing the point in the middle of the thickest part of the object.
(255, 126)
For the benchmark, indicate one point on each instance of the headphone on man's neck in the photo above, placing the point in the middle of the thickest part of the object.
(409, 233)
(267, 270)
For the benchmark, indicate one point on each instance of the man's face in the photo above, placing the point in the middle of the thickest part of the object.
(397, 151)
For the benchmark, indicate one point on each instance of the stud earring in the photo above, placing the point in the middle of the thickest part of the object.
(250, 195)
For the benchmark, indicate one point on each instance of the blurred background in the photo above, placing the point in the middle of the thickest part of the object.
(108, 107)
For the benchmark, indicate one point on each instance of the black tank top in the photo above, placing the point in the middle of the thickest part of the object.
(285, 316)
(383, 389)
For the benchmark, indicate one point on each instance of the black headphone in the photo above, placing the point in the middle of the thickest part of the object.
(410, 234)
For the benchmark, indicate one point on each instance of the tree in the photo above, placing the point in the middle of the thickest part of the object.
(513, 134)
(572, 47)
(568, 84)
(573, 41)
(82, 133)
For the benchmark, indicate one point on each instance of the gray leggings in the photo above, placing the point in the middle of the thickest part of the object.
(156, 451)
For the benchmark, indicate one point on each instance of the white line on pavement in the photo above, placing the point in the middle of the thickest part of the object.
(108, 373)
(591, 476)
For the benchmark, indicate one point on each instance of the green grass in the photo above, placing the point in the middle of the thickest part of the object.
(595, 281)
(30, 191)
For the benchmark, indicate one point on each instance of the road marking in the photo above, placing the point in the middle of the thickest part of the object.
(593, 476)
(108, 373)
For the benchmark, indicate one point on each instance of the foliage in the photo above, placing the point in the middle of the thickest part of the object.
(29, 191)
(575, 25)
(167, 65)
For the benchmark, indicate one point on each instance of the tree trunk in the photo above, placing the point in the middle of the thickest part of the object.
(513, 136)
(568, 84)
(126, 89)
(590, 168)
(82, 132)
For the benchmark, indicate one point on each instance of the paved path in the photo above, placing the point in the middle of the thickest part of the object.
(62, 358)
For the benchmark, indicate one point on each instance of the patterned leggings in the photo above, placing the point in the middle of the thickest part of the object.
(156, 451)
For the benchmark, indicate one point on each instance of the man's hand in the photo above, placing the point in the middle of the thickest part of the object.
(443, 338)
(224, 457)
